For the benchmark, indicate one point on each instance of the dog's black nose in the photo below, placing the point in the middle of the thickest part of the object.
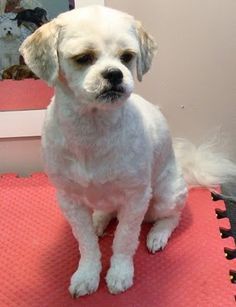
(114, 75)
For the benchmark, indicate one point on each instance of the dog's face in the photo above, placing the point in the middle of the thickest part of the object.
(98, 63)
(94, 51)
(9, 30)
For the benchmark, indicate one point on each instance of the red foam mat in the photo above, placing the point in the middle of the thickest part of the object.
(38, 254)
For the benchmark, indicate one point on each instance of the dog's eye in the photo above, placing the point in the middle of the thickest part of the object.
(127, 57)
(85, 59)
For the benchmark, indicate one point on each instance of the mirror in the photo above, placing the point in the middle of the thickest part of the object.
(20, 89)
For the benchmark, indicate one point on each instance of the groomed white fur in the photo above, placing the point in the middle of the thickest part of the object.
(109, 153)
(206, 165)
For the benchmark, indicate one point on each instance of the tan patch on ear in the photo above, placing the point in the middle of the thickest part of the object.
(40, 51)
(148, 47)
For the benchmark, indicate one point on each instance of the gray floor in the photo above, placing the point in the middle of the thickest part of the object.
(229, 191)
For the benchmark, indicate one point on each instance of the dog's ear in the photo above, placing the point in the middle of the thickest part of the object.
(39, 51)
(147, 47)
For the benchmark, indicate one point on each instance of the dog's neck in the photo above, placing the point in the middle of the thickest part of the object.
(86, 122)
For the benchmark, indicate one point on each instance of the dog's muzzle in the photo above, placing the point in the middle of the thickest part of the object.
(114, 90)
(111, 94)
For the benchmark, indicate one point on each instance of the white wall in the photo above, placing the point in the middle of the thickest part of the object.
(193, 77)
(20, 155)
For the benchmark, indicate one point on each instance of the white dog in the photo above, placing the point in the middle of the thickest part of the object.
(9, 44)
(107, 150)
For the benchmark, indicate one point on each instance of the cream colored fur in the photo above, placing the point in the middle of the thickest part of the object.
(110, 154)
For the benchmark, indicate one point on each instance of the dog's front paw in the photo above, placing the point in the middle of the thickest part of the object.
(84, 281)
(120, 275)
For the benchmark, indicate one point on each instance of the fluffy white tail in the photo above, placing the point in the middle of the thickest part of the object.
(203, 165)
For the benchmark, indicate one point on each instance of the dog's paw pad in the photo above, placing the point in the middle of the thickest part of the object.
(157, 240)
(83, 283)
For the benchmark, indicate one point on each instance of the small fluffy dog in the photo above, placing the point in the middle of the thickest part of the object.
(107, 150)
(37, 16)
(9, 44)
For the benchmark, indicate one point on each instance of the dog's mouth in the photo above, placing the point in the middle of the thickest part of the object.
(111, 94)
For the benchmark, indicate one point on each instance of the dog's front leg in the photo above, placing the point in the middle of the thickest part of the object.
(121, 272)
(86, 278)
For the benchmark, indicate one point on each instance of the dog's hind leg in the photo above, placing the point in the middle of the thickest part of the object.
(101, 220)
(161, 231)
(169, 196)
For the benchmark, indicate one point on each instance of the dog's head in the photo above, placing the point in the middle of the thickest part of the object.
(9, 30)
(94, 51)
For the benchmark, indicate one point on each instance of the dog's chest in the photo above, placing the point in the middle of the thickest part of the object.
(107, 196)
(99, 187)
(100, 163)
(9, 47)
(101, 180)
